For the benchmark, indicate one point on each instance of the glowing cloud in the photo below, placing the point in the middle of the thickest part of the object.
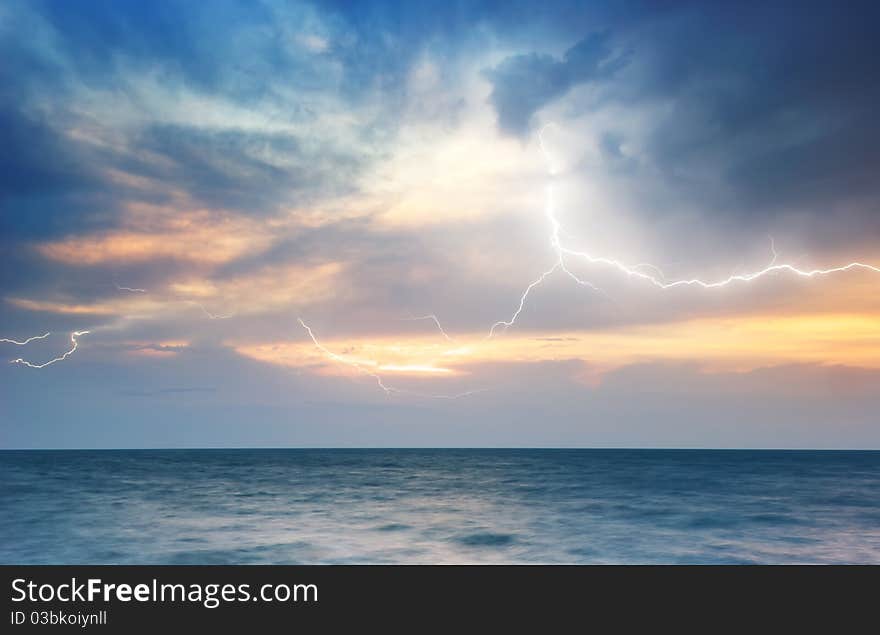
(206, 237)
(638, 271)
(372, 369)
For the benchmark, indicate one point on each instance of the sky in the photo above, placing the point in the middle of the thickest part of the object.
(554, 224)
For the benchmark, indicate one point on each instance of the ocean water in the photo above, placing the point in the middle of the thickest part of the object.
(439, 506)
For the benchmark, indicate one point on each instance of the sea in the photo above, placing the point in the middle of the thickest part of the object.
(439, 506)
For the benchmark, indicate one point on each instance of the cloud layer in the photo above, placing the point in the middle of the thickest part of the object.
(186, 180)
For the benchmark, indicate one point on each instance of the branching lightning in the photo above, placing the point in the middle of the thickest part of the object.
(563, 254)
(643, 271)
(73, 348)
(75, 334)
(657, 278)
(749, 277)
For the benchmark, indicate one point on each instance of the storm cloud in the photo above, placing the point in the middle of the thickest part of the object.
(186, 180)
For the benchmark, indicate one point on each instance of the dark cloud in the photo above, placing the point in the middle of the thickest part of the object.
(45, 180)
(35, 159)
(775, 102)
(523, 84)
(238, 169)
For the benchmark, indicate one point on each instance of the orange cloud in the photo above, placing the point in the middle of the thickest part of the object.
(140, 305)
(268, 288)
(415, 357)
(715, 344)
(152, 233)
(156, 349)
(62, 307)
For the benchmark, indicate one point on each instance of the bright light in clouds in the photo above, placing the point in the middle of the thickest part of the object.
(441, 176)
(184, 184)
(642, 271)
(372, 369)
(252, 291)
(713, 344)
(449, 165)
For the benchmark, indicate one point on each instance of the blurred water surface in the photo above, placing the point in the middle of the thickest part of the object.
(439, 506)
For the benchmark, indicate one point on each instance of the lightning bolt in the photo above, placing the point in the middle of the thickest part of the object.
(73, 348)
(434, 319)
(342, 360)
(749, 277)
(129, 289)
(27, 341)
(642, 271)
(658, 279)
(211, 316)
(389, 390)
(75, 334)
(523, 298)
